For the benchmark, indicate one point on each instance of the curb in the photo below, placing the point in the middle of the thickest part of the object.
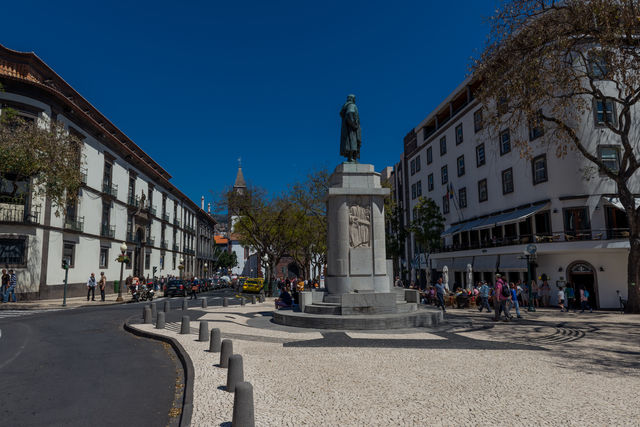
(18, 306)
(187, 366)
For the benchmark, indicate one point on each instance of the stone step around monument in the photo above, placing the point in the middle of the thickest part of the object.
(424, 317)
(399, 293)
(323, 308)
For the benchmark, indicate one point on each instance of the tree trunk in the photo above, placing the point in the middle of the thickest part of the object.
(633, 273)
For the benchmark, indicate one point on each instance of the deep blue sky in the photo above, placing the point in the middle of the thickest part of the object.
(199, 85)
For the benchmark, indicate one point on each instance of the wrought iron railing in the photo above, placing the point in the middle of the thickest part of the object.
(75, 224)
(110, 189)
(554, 237)
(176, 247)
(165, 216)
(164, 244)
(108, 231)
(176, 222)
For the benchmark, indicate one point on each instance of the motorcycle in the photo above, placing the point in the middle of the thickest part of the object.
(146, 292)
(135, 293)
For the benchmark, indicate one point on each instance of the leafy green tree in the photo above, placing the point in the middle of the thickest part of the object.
(548, 65)
(42, 154)
(310, 219)
(427, 226)
(265, 224)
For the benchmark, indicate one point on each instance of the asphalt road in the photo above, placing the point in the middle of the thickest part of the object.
(80, 367)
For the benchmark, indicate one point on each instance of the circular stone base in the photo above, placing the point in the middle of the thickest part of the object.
(421, 318)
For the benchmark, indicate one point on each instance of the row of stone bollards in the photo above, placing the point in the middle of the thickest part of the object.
(243, 407)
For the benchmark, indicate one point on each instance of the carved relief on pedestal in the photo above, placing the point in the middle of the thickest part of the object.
(359, 224)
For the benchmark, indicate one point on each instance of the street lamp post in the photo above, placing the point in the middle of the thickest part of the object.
(65, 265)
(530, 255)
(181, 266)
(121, 258)
(265, 259)
(205, 270)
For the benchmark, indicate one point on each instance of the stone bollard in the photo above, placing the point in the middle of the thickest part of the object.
(154, 310)
(167, 306)
(185, 304)
(261, 298)
(225, 302)
(253, 299)
(204, 331)
(204, 303)
(147, 315)
(160, 320)
(243, 406)
(226, 350)
(185, 328)
(214, 342)
(241, 300)
(235, 373)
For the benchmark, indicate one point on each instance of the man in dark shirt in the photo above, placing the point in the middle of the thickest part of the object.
(285, 300)
(5, 283)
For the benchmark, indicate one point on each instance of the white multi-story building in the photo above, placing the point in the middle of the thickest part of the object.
(126, 197)
(497, 203)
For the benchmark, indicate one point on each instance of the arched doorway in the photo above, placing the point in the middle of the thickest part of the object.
(582, 275)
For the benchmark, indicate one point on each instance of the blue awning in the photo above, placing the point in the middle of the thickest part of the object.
(451, 230)
(521, 214)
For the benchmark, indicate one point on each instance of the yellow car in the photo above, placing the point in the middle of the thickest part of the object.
(253, 285)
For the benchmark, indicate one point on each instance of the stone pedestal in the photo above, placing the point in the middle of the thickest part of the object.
(356, 258)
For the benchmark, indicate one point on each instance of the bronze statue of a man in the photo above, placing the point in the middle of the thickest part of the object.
(350, 135)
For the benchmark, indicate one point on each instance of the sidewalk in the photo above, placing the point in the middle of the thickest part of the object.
(556, 366)
(74, 302)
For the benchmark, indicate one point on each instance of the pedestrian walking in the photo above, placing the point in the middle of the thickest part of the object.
(440, 290)
(5, 284)
(502, 295)
(484, 297)
(561, 299)
(514, 300)
(545, 289)
(584, 300)
(534, 294)
(91, 287)
(194, 288)
(103, 285)
(11, 288)
(569, 297)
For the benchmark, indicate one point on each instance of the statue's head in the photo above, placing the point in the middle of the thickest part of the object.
(351, 98)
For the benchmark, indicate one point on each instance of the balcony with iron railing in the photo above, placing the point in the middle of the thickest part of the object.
(189, 251)
(176, 222)
(133, 200)
(14, 213)
(176, 247)
(164, 244)
(108, 231)
(74, 223)
(152, 210)
(165, 217)
(189, 229)
(110, 189)
(133, 238)
(151, 241)
(552, 237)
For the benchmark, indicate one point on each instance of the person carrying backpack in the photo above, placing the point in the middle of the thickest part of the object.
(584, 300)
(503, 295)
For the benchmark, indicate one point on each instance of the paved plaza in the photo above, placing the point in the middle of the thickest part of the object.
(550, 368)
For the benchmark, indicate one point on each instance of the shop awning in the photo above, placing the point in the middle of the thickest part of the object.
(439, 263)
(451, 230)
(521, 214)
(485, 263)
(512, 262)
(469, 225)
(460, 263)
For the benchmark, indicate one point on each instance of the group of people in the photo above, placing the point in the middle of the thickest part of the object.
(92, 284)
(505, 296)
(8, 289)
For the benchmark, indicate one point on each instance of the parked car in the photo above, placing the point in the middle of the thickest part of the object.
(175, 287)
(253, 285)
